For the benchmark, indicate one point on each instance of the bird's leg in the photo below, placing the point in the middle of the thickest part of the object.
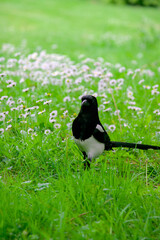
(86, 161)
(87, 164)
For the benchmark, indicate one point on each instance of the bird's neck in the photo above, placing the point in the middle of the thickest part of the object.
(90, 117)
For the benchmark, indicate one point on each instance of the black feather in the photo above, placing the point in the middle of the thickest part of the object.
(134, 145)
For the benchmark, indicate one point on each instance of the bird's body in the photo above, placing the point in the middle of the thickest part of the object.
(90, 146)
(90, 135)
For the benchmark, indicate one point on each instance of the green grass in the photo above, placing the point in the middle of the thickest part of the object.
(78, 27)
(45, 192)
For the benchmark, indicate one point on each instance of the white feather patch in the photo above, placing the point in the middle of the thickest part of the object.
(99, 128)
(90, 146)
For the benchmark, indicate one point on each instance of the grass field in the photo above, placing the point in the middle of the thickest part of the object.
(51, 53)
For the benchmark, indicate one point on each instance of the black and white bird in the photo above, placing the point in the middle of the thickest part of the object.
(90, 135)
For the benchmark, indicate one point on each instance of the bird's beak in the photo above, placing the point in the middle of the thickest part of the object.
(83, 101)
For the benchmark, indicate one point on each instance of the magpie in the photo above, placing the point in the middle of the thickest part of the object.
(90, 135)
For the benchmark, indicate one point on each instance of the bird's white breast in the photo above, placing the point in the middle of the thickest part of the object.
(90, 146)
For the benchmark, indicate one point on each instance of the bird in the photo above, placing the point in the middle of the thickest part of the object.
(90, 135)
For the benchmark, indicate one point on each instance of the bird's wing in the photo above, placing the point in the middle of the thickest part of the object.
(101, 136)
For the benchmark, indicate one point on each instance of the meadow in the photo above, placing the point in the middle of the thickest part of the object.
(52, 53)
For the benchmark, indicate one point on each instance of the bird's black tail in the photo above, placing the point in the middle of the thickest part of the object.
(133, 145)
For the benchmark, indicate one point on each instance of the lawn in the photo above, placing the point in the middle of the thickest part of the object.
(51, 53)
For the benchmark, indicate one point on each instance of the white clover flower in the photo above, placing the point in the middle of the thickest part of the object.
(130, 94)
(26, 114)
(118, 88)
(78, 81)
(107, 110)
(10, 103)
(2, 59)
(122, 69)
(103, 95)
(110, 90)
(14, 109)
(126, 125)
(52, 119)
(47, 102)
(95, 94)
(23, 121)
(141, 81)
(140, 112)
(130, 72)
(155, 86)
(155, 92)
(116, 112)
(137, 70)
(34, 107)
(33, 135)
(25, 90)
(53, 114)
(48, 94)
(146, 87)
(101, 107)
(120, 82)
(42, 112)
(33, 56)
(157, 111)
(68, 82)
(106, 102)
(8, 127)
(10, 98)
(3, 97)
(112, 128)
(65, 113)
(40, 100)
(134, 108)
(132, 103)
(11, 85)
(67, 99)
(22, 132)
(47, 131)
(27, 109)
(21, 80)
(2, 117)
(6, 113)
(19, 101)
(85, 68)
(30, 130)
(20, 107)
(57, 125)
(1, 131)
(9, 81)
(147, 72)
(102, 85)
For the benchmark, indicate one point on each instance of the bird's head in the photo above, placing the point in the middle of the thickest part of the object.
(89, 104)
